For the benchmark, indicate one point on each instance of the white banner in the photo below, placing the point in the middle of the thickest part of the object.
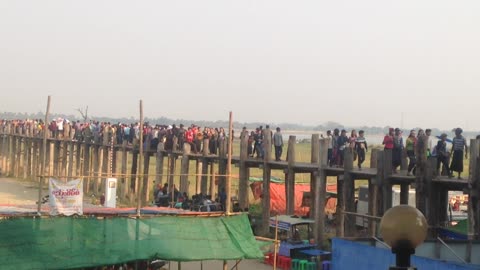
(66, 198)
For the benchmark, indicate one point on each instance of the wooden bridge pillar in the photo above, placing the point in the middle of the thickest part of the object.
(51, 159)
(3, 152)
(18, 156)
(159, 163)
(243, 173)
(198, 176)
(204, 183)
(27, 170)
(124, 179)
(267, 140)
(133, 173)
(57, 159)
(34, 160)
(13, 151)
(404, 162)
(212, 181)
(404, 193)
(314, 159)
(290, 176)
(349, 189)
(71, 150)
(78, 159)
(184, 168)
(98, 165)
(86, 168)
(340, 207)
(146, 185)
(420, 175)
(378, 181)
(8, 167)
(386, 184)
(222, 165)
(64, 160)
(321, 193)
(373, 189)
(474, 192)
(171, 171)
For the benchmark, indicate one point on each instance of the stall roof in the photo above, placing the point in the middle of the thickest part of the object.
(285, 222)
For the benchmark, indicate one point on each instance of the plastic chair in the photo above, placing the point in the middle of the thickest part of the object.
(284, 262)
(326, 265)
(311, 266)
(295, 264)
(303, 265)
(269, 259)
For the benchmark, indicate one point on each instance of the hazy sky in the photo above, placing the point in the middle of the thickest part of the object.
(354, 62)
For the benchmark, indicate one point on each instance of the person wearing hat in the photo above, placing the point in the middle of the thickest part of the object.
(443, 155)
(459, 143)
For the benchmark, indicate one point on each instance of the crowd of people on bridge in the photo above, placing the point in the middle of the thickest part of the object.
(339, 141)
(449, 158)
(436, 146)
(175, 137)
(172, 136)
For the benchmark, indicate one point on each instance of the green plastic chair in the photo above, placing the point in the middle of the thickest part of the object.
(311, 266)
(295, 264)
(303, 265)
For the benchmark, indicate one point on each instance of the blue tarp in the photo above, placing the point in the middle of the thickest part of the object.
(351, 255)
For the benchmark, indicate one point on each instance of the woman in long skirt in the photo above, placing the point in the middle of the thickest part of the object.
(459, 144)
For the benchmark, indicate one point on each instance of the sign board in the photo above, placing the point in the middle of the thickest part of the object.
(65, 198)
(111, 193)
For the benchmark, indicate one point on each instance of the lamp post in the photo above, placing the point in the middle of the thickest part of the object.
(403, 228)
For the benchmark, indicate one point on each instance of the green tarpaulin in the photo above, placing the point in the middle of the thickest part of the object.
(67, 242)
(461, 227)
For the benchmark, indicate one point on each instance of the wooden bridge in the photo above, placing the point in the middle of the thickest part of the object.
(20, 156)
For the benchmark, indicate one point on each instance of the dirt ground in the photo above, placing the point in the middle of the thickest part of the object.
(218, 265)
(18, 192)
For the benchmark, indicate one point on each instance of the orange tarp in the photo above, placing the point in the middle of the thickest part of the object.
(278, 201)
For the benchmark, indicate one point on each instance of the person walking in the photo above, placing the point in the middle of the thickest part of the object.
(361, 148)
(410, 144)
(397, 150)
(352, 142)
(459, 144)
(388, 139)
(330, 147)
(443, 155)
(342, 143)
(278, 143)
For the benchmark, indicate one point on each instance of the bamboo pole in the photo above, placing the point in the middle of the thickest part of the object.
(229, 165)
(229, 174)
(140, 176)
(44, 157)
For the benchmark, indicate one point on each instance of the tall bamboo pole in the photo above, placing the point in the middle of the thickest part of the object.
(229, 165)
(275, 246)
(44, 157)
(140, 168)
(229, 173)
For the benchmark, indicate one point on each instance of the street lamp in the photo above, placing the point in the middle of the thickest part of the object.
(403, 228)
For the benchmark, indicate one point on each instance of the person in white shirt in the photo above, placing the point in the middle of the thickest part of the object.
(278, 143)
